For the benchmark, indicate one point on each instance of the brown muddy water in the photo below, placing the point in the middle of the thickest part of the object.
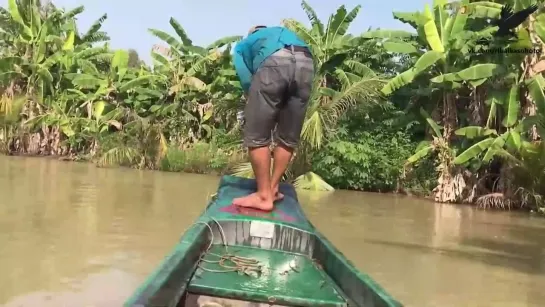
(75, 235)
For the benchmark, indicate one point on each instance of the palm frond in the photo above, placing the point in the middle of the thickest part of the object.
(313, 182)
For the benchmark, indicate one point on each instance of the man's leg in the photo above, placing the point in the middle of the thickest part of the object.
(265, 95)
(282, 156)
(291, 118)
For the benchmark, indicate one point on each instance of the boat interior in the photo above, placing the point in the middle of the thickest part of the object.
(226, 266)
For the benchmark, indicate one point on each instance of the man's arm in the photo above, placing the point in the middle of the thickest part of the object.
(242, 69)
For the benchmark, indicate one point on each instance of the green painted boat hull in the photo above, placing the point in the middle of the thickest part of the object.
(300, 267)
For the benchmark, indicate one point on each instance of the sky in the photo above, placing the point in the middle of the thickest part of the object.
(207, 20)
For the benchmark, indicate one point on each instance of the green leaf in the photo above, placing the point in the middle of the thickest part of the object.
(313, 182)
(340, 22)
(67, 129)
(476, 83)
(16, 16)
(53, 59)
(69, 43)
(421, 153)
(181, 32)
(535, 87)
(45, 75)
(513, 107)
(169, 39)
(514, 140)
(473, 151)
(387, 34)
(400, 47)
(39, 54)
(441, 17)
(480, 71)
(160, 58)
(482, 9)
(98, 109)
(136, 82)
(224, 41)
(149, 92)
(475, 72)
(460, 21)
(87, 81)
(155, 108)
(414, 19)
(120, 62)
(486, 4)
(472, 132)
(498, 143)
(427, 60)
(398, 82)
(88, 67)
(540, 30)
(434, 126)
(7, 63)
(496, 97)
(430, 29)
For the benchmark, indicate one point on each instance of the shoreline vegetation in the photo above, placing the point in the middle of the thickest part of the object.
(429, 112)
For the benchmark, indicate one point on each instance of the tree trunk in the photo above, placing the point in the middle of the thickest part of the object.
(531, 60)
(451, 183)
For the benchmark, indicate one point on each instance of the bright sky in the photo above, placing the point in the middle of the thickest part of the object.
(207, 20)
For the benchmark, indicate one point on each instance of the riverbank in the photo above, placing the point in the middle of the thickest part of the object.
(202, 158)
(206, 159)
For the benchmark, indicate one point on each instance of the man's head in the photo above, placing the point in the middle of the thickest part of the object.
(255, 29)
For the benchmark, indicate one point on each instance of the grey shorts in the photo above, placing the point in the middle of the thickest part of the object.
(278, 97)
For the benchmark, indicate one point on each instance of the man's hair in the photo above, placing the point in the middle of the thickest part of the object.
(255, 29)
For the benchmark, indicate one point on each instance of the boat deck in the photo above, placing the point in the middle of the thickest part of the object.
(286, 279)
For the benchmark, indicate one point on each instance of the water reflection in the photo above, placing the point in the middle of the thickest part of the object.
(72, 225)
(437, 255)
(75, 235)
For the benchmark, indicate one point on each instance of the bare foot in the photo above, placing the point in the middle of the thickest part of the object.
(277, 195)
(255, 201)
(244, 200)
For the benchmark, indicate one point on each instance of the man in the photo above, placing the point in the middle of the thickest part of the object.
(276, 71)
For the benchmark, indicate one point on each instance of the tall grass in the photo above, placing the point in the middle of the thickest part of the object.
(201, 158)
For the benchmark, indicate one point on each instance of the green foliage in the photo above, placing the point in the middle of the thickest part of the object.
(451, 114)
(202, 158)
(369, 152)
(488, 108)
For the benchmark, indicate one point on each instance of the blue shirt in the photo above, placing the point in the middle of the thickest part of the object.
(253, 50)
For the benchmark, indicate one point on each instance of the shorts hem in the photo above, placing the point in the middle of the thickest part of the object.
(287, 144)
(253, 144)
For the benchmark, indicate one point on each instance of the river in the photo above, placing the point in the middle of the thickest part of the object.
(75, 235)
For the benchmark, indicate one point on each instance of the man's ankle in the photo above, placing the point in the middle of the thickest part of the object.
(265, 195)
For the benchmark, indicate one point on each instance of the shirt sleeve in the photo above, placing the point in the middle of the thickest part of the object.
(243, 72)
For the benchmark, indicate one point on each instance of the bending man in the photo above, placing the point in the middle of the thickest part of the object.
(276, 71)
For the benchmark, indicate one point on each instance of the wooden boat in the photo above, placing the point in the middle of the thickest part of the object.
(242, 257)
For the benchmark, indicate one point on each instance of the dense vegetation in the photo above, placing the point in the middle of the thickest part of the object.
(428, 111)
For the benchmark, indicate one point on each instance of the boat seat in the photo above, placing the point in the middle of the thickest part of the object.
(287, 279)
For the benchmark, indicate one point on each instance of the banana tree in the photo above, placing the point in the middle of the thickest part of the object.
(493, 140)
(185, 60)
(117, 85)
(451, 183)
(441, 46)
(513, 138)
